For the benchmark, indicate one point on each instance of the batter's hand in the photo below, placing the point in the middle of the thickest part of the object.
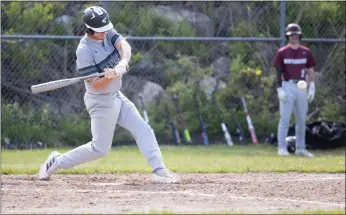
(121, 68)
(311, 93)
(110, 73)
(116, 71)
(282, 95)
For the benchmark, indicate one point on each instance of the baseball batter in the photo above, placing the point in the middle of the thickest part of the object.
(103, 49)
(293, 63)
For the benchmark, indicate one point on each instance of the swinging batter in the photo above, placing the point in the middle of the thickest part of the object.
(103, 49)
(293, 63)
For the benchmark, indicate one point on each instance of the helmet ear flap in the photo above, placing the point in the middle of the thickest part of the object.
(88, 30)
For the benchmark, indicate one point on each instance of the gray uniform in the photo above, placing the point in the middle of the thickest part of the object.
(108, 107)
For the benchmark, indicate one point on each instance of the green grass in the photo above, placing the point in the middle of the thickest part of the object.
(202, 159)
(337, 211)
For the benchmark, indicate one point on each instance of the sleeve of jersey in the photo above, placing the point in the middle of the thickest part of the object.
(311, 61)
(277, 61)
(114, 36)
(85, 63)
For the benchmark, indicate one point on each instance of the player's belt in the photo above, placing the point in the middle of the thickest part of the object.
(293, 80)
(105, 94)
(110, 93)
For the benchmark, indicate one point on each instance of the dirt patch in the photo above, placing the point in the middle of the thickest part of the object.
(131, 193)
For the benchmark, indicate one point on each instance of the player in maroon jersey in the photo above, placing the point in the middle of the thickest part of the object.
(293, 63)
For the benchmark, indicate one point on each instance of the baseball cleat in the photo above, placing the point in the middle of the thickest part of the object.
(49, 167)
(304, 153)
(164, 176)
(283, 152)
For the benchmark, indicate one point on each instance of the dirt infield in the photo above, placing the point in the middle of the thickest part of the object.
(131, 193)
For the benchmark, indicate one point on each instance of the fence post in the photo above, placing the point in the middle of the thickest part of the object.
(282, 22)
(65, 58)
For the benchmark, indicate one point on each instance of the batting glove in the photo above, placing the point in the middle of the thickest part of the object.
(118, 70)
(311, 93)
(110, 73)
(282, 95)
(121, 68)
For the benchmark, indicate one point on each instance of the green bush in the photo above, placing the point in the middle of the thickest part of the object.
(249, 82)
(26, 124)
(29, 18)
(74, 130)
(333, 112)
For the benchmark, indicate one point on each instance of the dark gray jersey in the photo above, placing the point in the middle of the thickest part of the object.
(93, 56)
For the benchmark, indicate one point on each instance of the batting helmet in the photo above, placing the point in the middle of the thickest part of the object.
(96, 19)
(291, 143)
(293, 28)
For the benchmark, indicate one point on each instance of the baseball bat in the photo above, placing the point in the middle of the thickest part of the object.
(224, 128)
(175, 131)
(52, 85)
(181, 120)
(204, 134)
(249, 122)
(145, 113)
(239, 130)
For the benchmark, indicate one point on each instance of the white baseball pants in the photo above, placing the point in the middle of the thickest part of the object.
(105, 112)
(297, 101)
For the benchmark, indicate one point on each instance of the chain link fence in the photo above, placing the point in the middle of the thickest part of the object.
(223, 46)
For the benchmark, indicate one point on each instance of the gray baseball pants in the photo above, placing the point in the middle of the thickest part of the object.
(105, 112)
(298, 103)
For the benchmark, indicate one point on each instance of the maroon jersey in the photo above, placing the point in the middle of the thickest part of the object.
(294, 62)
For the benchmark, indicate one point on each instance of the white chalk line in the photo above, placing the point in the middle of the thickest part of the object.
(220, 180)
(191, 193)
(293, 200)
(300, 179)
(238, 197)
(232, 180)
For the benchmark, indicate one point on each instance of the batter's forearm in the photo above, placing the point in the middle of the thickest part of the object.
(125, 53)
(99, 83)
(311, 75)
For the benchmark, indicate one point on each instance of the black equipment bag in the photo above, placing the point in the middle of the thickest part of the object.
(320, 135)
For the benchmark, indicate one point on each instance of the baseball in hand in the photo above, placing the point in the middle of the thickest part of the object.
(302, 85)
